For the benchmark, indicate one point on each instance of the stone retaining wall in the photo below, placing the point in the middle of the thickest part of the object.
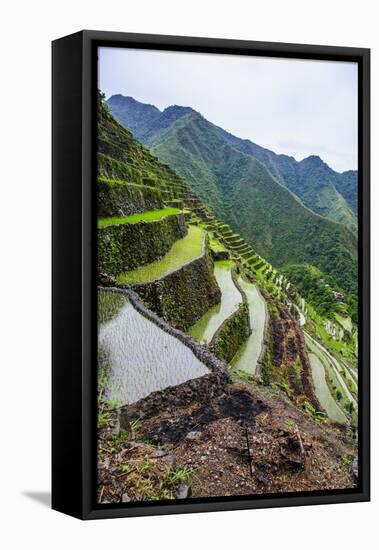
(184, 295)
(199, 390)
(265, 339)
(118, 199)
(128, 246)
(233, 332)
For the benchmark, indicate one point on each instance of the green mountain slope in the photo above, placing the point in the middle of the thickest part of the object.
(137, 117)
(243, 193)
(347, 185)
(320, 188)
(144, 120)
(317, 289)
(123, 159)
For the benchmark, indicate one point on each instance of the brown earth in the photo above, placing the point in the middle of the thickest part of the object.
(291, 366)
(250, 440)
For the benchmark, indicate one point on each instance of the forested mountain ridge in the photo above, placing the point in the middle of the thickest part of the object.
(320, 188)
(197, 334)
(144, 120)
(244, 193)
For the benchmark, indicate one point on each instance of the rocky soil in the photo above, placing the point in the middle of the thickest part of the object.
(248, 441)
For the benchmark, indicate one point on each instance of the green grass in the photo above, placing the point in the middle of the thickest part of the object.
(182, 251)
(338, 348)
(345, 322)
(149, 216)
(216, 246)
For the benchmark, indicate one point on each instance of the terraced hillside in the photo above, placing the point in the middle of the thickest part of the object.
(320, 188)
(200, 335)
(289, 212)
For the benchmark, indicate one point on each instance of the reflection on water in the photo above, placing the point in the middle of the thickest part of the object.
(322, 390)
(141, 358)
(205, 328)
(246, 358)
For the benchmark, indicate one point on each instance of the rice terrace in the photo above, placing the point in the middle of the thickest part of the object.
(227, 312)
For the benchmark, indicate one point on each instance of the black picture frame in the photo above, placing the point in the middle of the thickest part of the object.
(74, 332)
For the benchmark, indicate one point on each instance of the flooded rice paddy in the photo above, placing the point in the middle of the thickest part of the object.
(137, 356)
(182, 252)
(322, 391)
(205, 328)
(247, 357)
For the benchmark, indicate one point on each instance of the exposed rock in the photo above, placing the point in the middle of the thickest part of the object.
(125, 498)
(158, 453)
(354, 468)
(106, 280)
(193, 436)
(169, 459)
(183, 491)
(292, 454)
(220, 255)
(103, 464)
(116, 425)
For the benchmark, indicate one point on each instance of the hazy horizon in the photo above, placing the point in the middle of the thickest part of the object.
(294, 107)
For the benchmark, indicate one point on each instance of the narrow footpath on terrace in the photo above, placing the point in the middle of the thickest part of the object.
(248, 356)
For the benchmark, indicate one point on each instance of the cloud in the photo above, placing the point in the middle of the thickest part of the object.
(291, 106)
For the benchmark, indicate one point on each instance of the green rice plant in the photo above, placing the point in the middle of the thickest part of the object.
(149, 216)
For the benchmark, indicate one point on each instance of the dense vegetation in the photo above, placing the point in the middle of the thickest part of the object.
(122, 158)
(318, 289)
(147, 216)
(314, 287)
(243, 192)
(144, 120)
(166, 404)
(320, 188)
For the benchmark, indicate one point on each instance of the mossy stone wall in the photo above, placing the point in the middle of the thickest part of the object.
(108, 167)
(231, 334)
(116, 198)
(127, 246)
(183, 296)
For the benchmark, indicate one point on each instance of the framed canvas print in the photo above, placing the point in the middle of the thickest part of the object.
(210, 274)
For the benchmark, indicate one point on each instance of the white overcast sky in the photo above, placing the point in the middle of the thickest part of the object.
(296, 107)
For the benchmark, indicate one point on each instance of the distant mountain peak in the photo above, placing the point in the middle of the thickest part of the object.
(318, 186)
(178, 109)
(313, 159)
(128, 99)
(118, 97)
(349, 173)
